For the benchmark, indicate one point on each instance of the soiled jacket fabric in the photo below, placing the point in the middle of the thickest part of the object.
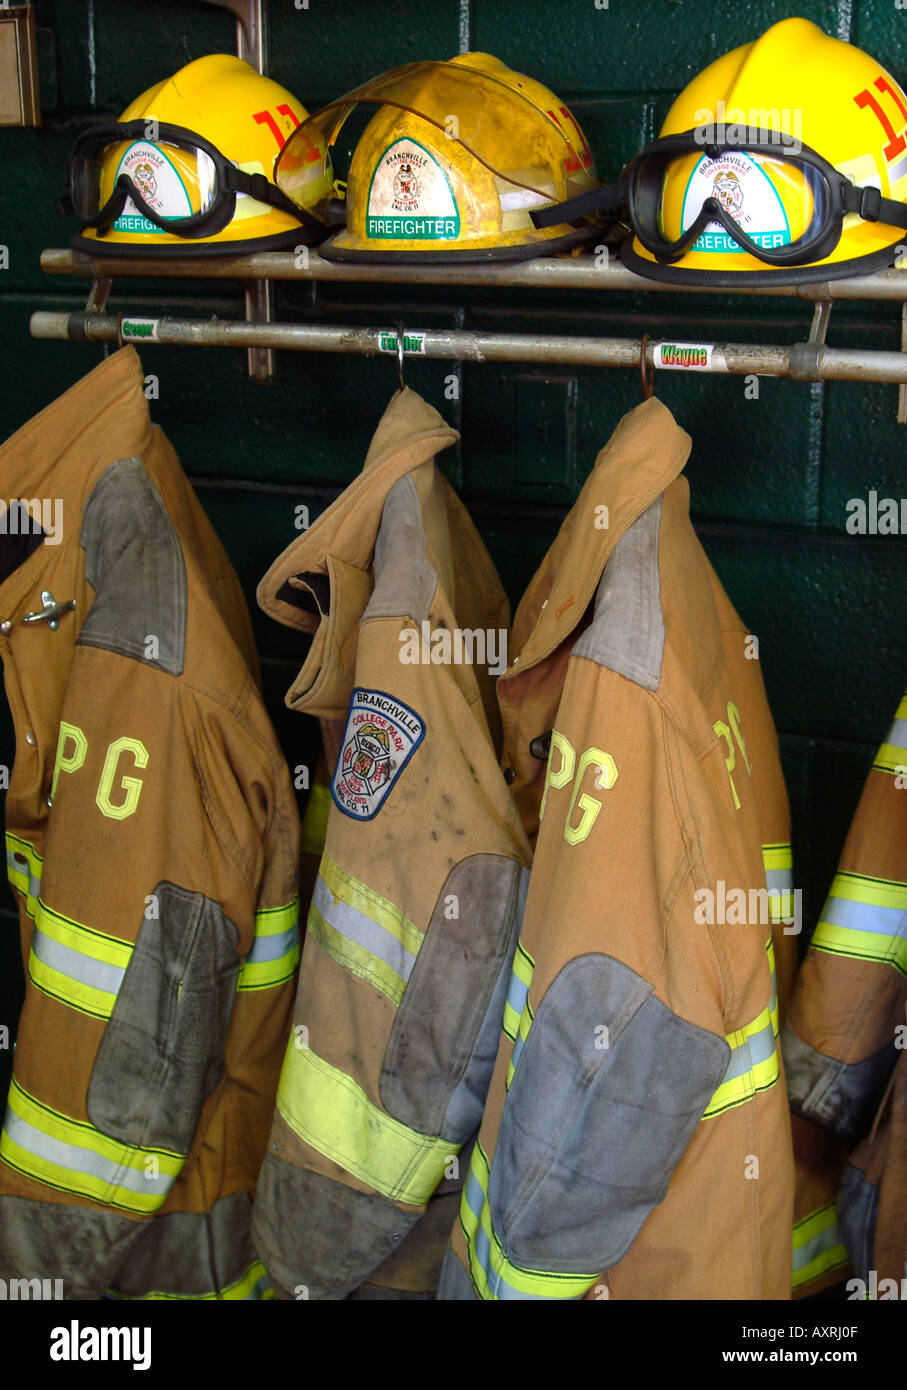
(152, 842)
(844, 1047)
(636, 1141)
(415, 915)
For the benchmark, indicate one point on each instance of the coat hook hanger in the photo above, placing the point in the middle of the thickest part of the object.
(400, 335)
(647, 373)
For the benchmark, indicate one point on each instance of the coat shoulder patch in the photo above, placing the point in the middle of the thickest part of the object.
(381, 736)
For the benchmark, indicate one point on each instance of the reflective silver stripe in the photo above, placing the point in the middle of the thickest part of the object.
(758, 1048)
(475, 1198)
(896, 172)
(259, 1289)
(897, 734)
(79, 1160)
(824, 1240)
(355, 926)
(75, 965)
(14, 867)
(779, 880)
(867, 917)
(273, 947)
(517, 994)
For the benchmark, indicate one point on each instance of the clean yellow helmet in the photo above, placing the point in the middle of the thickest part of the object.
(187, 169)
(784, 160)
(450, 165)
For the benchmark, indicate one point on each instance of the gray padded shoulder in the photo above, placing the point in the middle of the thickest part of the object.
(627, 633)
(135, 564)
(405, 581)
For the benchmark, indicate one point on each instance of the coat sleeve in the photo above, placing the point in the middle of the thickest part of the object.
(149, 915)
(841, 1042)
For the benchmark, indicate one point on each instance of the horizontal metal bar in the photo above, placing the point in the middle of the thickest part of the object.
(545, 273)
(803, 361)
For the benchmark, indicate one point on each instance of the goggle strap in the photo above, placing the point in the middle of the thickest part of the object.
(608, 199)
(869, 204)
(259, 187)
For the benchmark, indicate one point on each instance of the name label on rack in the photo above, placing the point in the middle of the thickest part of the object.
(683, 357)
(412, 342)
(140, 330)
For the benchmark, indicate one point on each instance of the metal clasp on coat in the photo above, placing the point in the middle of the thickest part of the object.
(51, 612)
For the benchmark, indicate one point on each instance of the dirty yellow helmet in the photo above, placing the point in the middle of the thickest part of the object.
(784, 160)
(187, 169)
(449, 165)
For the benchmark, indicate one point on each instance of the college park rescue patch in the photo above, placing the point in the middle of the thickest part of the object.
(381, 736)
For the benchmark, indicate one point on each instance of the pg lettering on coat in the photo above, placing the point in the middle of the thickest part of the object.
(726, 731)
(118, 793)
(596, 768)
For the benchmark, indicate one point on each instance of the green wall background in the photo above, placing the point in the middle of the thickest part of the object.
(769, 478)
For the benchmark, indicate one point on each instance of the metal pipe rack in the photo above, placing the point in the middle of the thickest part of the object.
(545, 273)
(802, 361)
(812, 360)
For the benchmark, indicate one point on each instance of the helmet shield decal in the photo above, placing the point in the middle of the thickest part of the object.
(410, 197)
(158, 180)
(745, 192)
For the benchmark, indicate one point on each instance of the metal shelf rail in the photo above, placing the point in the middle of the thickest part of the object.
(812, 360)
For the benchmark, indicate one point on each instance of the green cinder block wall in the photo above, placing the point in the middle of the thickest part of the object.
(770, 478)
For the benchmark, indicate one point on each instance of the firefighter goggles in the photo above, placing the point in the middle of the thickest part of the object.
(808, 195)
(216, 178)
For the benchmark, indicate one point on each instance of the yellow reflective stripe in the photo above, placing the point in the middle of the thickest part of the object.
(345, 888)
(73, 1156)
(24, 877)
(275, 950)
(520, 980)
(315, 820)
(778, 862)
(355, 957)
(861, 945)
(97, 945)
(778, 856)
(493, 1275)
(753, 1064)
(254, 1285)
(862, 888)
(330, 1111)
(817, 1245)
(526, 1019)
(889, 758)
(864, 918)
(75, 964)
